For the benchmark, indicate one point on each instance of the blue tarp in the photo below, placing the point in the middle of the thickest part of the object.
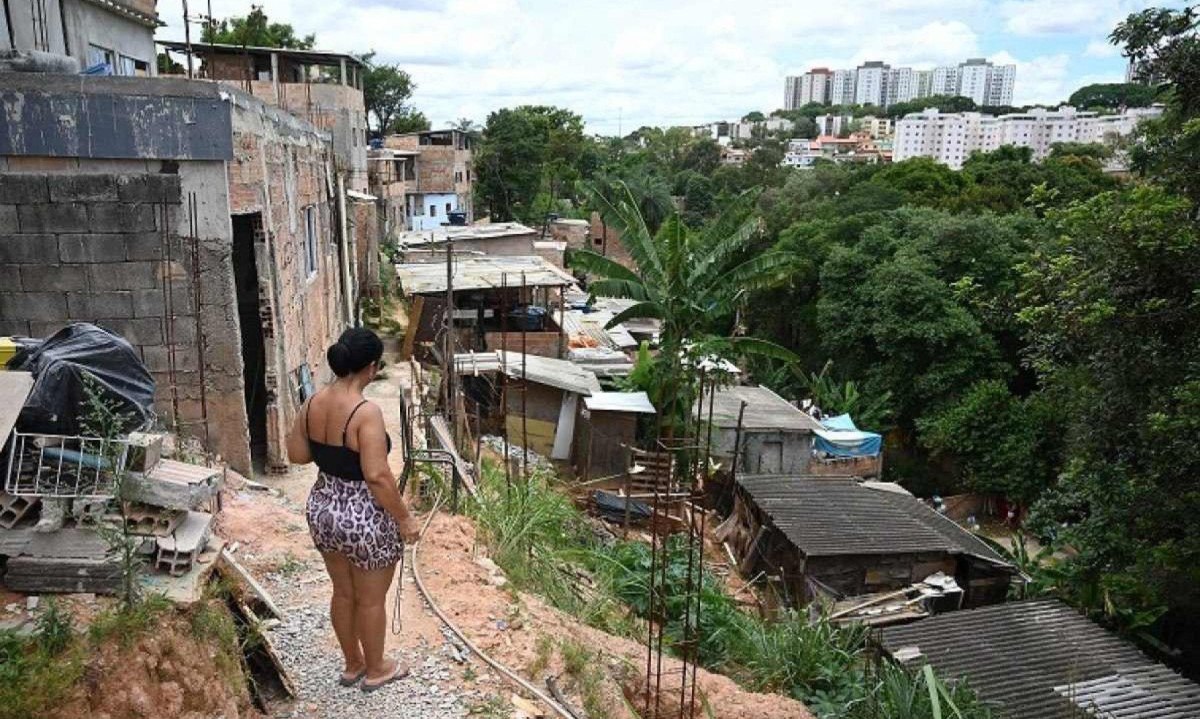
(841, 438)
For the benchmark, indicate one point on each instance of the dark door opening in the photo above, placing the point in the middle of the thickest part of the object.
(246, 229)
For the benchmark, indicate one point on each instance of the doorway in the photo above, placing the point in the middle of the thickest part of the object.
(247, 229)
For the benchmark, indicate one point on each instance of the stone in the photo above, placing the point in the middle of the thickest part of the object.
(61, 278)
(124, 276)
(41, 306)
(100, 305)
(150, 188)
(57, 217)
(91, 248)
(8, 219)
(23, 188)
(120, 217)
(82, 187)
(29, 249)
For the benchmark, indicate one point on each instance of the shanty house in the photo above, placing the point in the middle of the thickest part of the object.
(607, 429)
(443, 184)
(1041, 659)
(494, 299)
(105, 37)
(837, 537)
(773, 437)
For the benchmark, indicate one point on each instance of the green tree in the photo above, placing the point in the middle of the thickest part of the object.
(692, 281)
(1113, 319)
(256, 30)
(1113, 96)
(754, 116)
(922, 180)
(529, 150)
(386, 92)
(409, 121)
(945, 103)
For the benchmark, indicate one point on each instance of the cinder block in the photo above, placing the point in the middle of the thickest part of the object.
(150, 188)
(29, 249)
(157, 358)
(58, 217)
(120, 217)
(40, 306)
(100, 305)
(124, 276)
(14, 328)
(146, 331)
(44, 329)
(22, 188)
(10, 278)
(50, 278)
(145, 450)
(91, 248)
(82, 188)
(8, 219)
(149, 303)
(149, 246)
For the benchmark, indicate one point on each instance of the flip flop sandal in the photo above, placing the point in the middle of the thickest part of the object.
(401, 672)
(344, 682)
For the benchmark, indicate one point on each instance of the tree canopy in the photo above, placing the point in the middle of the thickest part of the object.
(256, 30)
(387, 90)
(1112, 96)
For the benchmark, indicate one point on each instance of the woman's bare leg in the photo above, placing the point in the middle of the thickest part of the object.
(370, 619)
(341, 612)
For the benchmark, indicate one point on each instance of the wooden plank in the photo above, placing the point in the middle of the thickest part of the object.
(230, 568)
(748, 559)
(14, 390)
(441, 434)
(410, 332)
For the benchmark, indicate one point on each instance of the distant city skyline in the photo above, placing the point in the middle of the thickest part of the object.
(623, 64)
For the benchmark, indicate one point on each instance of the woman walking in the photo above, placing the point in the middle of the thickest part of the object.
(358, 520)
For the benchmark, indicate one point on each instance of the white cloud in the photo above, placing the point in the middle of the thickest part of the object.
(1101, 48)
(676, 62)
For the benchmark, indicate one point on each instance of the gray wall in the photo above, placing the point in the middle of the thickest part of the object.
(86, 24)
(767, 451)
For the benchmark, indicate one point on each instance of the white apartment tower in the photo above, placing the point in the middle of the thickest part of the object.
(812, 86)
(841, 87)
(986, 83)
(871, 84)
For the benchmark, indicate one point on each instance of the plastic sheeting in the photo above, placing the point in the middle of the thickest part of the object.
(59, 365)
(841, 438)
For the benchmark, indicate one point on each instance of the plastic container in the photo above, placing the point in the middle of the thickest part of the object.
(8, 348)
(528, 317)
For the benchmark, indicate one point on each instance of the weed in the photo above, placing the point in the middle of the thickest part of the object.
(212, 622)
(55, 630)
(127, 622)
(33, 680)
(291, 566)
(544, 652)
(583, 666)
(493, 708)
(469, 674)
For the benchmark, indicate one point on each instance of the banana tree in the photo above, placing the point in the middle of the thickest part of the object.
(693, 282)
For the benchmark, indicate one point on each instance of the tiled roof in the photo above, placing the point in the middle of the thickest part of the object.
(832, 516)
(1041, 659)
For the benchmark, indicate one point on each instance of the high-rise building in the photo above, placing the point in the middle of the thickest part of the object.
(877, 83)
(870, 83)
(841, 87)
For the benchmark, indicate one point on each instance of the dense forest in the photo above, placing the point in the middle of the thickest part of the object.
(1029, 329)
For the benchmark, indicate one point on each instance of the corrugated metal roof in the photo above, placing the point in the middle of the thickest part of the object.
(764, 410)
(492, 231)
(831, 516)
(1041, 659)
(480, 273)
(619, 402)
(551, 372)
(592, 324)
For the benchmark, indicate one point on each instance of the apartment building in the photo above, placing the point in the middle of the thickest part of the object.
(950, 138)
(440, 192)
(114, 37)
(877, 83)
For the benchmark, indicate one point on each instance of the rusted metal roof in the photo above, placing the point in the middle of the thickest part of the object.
(832, 516)
(765, 410)
(1041, 659)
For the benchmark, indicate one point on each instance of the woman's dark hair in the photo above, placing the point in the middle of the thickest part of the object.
(354, 350)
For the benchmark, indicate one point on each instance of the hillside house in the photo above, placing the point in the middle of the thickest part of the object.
(105, 38)
(775, 437)
(442, 191)
(836, 537)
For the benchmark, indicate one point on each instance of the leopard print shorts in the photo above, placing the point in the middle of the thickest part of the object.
(344, 517)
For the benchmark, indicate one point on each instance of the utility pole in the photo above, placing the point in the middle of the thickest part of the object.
(448, 352)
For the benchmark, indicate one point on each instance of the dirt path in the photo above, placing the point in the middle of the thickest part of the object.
(274, 544)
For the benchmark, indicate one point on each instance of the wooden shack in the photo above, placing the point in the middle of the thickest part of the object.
(838, 537)
(608, 428)
(775, 437)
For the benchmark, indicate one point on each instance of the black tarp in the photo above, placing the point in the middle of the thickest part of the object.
(59, 365)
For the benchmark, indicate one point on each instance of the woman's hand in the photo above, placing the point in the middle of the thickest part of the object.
(409, 529)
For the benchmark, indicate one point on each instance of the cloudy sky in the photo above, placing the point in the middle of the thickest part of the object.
(626, 63)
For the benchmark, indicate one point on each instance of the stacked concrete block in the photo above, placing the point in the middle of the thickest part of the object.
(13, 508)
(177, 552)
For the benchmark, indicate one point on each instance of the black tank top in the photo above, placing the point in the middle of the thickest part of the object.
(339, 461)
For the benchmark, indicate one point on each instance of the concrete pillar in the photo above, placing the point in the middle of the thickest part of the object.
(342, 65)
(275, 77)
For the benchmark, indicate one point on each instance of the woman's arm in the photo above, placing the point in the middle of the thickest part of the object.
(372, 451)
(298, 449)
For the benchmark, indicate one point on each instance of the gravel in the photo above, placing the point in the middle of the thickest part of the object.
(303, 641)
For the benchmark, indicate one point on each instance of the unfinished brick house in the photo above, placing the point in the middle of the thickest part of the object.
(325, 89)
(189, 217)
(115, 33)
(443, 181)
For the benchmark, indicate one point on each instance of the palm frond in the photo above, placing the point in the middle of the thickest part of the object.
(757, 272)
(762, 348)
(597, 264)
(642, 310)
(621, 211)
(620, 289)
